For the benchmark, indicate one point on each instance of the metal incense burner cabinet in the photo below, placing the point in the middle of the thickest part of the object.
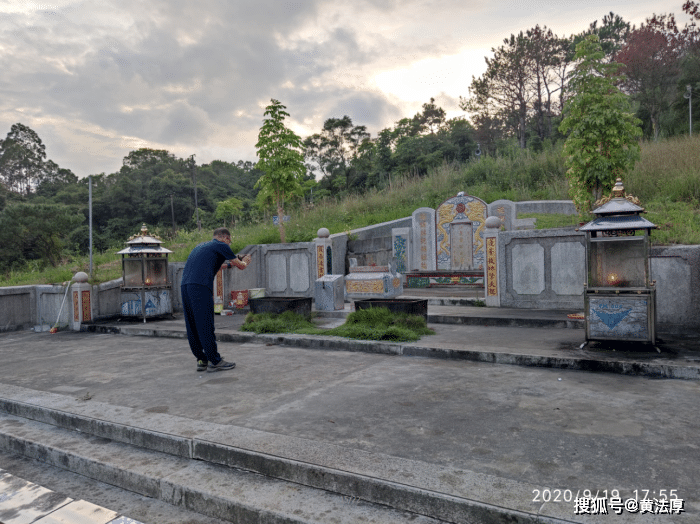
(619, 296)
(145, 291)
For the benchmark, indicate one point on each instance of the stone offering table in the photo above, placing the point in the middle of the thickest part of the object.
(373, 282)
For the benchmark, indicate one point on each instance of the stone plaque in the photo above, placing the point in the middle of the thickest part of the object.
(299, 273)
(568, 268)
(277, 273)
(462, 243)
(528, 269)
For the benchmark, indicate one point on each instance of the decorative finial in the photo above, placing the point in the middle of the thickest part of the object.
(619, 190)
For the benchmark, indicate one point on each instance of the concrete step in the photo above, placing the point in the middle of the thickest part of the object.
(209, 489)
(41, 478)
(163, 456)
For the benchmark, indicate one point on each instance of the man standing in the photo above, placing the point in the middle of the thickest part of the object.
(197, 291)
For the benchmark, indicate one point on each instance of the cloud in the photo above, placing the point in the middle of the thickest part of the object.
(98, 79)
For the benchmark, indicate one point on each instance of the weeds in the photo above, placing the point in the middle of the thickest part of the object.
(366, 324)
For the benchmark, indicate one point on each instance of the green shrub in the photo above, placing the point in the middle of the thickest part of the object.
(365, 324)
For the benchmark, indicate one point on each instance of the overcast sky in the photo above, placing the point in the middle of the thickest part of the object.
(98, 79)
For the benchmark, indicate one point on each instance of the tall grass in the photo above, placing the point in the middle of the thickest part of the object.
(666, 179)
(668, 169)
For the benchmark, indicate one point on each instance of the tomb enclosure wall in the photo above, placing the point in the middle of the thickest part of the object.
(554, 207)
(676, 270)
(542, 269)
(372, 245)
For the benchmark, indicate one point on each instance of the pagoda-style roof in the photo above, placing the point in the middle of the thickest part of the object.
(144, 243)
(611, 223)
(618, 206)
(618, 212)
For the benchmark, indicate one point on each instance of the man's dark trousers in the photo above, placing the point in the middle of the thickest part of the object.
(198, 304)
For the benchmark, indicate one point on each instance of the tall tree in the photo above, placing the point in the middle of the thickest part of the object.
(334, 148)
(22, 159)
(505, 90)
(551, 58)
(612, 33)
(602, 142)
(36, 231)
(432, 118)
(651, 58)
(227, 210)
(280, 159)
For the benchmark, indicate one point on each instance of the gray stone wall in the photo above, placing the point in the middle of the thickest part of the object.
(16, 307)
(556, 207)
(676, 270)
(542, 269)
(369, 245)
(107, 297)
(375, 251)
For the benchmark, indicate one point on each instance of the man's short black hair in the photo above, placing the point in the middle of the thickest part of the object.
(221, 232)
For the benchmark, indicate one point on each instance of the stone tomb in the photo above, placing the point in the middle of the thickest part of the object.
(448, 244)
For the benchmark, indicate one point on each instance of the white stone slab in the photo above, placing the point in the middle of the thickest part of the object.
(568, 268)
(528, 269)
(277, 272)
(299, 273)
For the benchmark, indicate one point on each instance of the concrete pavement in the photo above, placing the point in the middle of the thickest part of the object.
(392, 437)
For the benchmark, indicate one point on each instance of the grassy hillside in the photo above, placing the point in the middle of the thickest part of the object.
(667, 180)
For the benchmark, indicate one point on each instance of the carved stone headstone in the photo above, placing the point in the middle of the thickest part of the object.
(505, 211)
(423, 245)
(466, 212)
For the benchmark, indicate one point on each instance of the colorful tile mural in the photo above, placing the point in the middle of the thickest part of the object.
(462, 209)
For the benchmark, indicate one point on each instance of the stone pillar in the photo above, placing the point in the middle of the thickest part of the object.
(492, 291)
(324, 253)
(81, 293)
(423, 243)
(218, 288)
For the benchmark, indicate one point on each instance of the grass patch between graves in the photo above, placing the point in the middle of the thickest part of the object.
(367, 324)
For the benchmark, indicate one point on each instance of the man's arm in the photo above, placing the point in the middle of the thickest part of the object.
(239, 262)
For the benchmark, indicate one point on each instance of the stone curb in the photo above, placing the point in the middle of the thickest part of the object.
(513, 507)
(631, 368)
(506, 322)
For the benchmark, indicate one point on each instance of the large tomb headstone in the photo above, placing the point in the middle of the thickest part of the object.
(423, 246)
(460, 222)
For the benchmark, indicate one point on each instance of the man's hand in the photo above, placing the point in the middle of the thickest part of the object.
(241, 263)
